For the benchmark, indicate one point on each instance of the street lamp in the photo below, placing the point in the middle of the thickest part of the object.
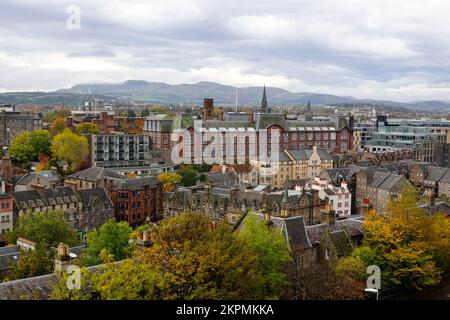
(72, 256)
(372, 290)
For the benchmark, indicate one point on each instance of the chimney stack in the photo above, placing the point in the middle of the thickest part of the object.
(62, 259)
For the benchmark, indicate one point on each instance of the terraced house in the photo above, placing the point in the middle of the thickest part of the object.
(84, 210)
(375, 188)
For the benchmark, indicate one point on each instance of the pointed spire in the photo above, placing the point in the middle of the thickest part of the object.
(285, 195)
(264, 105)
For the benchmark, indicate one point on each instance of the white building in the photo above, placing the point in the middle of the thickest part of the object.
(340, 198)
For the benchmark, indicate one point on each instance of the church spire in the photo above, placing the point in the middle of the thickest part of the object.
(264, 105)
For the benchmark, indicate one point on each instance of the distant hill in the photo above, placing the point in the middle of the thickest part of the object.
(157, 92)
(49, 98)
(143, 91)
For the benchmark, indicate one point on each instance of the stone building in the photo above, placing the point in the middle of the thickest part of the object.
(6, 213)
(376, 188)
(14, 122)
(91, 178)
(230, 203)
(84, 210)
(294, 164)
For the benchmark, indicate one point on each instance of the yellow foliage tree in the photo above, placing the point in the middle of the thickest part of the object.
(70, 147)
(409, 246)
(168, 180)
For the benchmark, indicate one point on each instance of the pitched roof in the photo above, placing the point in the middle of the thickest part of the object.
(49, 175)
(435, 173)
(341, 241)
(94, 174)
(88, 196)
(50, 197)
(446, 177)
(352, 226)
(136, 183)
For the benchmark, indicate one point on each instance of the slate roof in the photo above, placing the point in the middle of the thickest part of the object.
(51, 196)
(49, 175)
(292, 228)
(94, 174)
(135, 184)
(439, 207)
(36, 288)
(88, 196)
(353, 228)
(219, 177)
(435, 173)
(341, 241)
(446, 177)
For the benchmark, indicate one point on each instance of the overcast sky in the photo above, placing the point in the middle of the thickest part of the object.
(397, 50)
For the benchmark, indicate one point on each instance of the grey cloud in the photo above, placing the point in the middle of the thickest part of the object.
(305, 54)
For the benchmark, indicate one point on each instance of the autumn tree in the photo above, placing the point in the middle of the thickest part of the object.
(58, 126)
(70, 147)
(28, 146)
(112, 236)
(87, 128)
(168, 180)
(187, 260)
(406, 243)
(50, 116)
(321, 281)
(271, 249)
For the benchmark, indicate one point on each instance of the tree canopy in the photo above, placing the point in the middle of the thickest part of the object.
(58, 125)
(28, 146)
(168, 180)
(87, 128)
(271, 249)
(49, 228)
(187, 260)
(410, 247)
(113, 237)
(70, 147)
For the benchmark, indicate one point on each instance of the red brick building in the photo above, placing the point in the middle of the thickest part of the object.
(137, 201)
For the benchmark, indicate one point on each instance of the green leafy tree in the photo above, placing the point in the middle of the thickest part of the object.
(87, 128)
(112, 236)
(145, 113)
(272, 250)
(28, 146)
(70, 147)
(49, 228)
(32, 263)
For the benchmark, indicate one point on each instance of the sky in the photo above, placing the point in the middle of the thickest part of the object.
(387, 50)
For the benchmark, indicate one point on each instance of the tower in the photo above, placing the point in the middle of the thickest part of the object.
(264, 105)
(308, 108)
(285, 204)
(208, 109)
